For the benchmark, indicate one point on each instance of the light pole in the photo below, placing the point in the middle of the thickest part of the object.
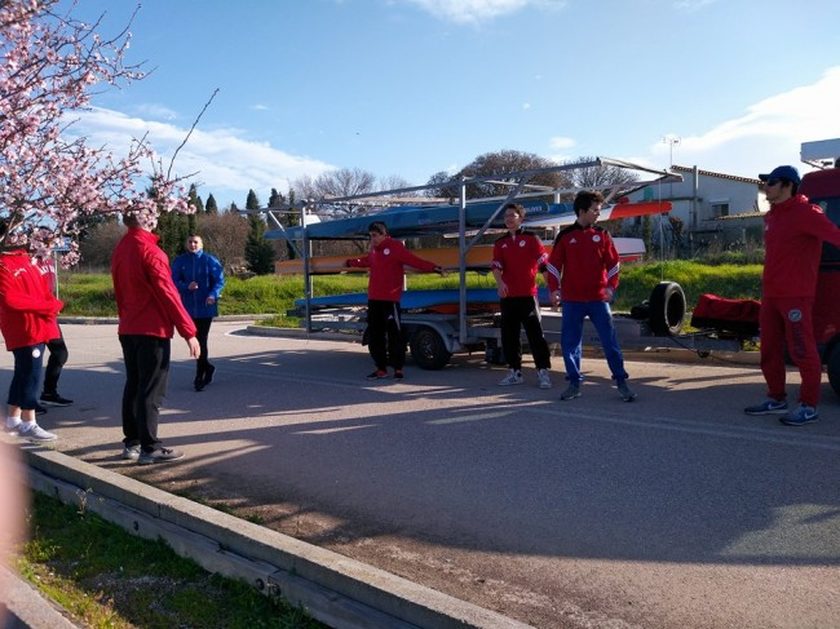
(671, 141)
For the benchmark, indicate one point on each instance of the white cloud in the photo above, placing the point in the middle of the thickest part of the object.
(560, 143)
(526, 106)
(767, 135)
(153, 110)
(227, 164)
(474, 11)
(560, 146)
(260, 107)
(692, 5)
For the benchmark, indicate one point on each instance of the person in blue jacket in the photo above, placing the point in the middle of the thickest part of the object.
(200, 278)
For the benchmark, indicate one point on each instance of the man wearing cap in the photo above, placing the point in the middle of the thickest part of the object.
(794, 231)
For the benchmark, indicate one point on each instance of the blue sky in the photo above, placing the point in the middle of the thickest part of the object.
(413, 87)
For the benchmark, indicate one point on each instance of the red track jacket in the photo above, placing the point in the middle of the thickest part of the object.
(518, 260)
(583, 262)
(794, 231)
(386, 268)
(28, 308)
(147, 301)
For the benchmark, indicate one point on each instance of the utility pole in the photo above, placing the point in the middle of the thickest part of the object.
(672, 141)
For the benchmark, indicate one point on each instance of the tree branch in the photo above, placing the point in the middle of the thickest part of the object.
(189, 133)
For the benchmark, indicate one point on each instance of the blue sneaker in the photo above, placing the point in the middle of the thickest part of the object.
(801, 415)
(768, 407)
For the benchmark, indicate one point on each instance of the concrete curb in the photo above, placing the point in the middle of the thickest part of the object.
(21, 605)
(300, 333)
(334, 589)
(115, 320)
(662, 354)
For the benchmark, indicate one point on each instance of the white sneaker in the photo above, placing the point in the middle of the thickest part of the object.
(514, 377)
(13, 423)
(31, 430)
(543, 381)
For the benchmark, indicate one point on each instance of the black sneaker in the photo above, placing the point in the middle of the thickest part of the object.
(208, 375)
(379, 374)
(39, 410)
(198, 383)
(398, 374)
(161, 455)
(54, 399)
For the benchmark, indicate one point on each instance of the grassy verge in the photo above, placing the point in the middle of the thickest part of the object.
(93, 295)
(105, 577)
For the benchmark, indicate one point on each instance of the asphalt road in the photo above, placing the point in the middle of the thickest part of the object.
(673, 511)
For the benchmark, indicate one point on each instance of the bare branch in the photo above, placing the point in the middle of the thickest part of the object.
(189, 133)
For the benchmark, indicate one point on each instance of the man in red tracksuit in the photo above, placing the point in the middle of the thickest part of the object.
(517, 256)
(386, 260)
(149, 309)
(583, 272)
(794, 231)
(28, 311)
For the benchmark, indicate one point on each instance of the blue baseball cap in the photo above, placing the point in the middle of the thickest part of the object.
(783, 172)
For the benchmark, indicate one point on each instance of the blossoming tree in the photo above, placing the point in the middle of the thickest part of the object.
(50, 182)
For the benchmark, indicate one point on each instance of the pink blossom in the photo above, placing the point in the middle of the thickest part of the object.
(51, 184)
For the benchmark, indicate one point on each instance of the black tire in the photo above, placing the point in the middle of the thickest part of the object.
(428, 349)
(667, 309)
(832, 366)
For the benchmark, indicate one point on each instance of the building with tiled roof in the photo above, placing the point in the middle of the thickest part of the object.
(711, 206)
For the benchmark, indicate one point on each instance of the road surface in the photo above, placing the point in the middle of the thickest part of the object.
(673, 511)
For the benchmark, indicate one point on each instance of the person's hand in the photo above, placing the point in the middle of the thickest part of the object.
(503, 289)
(210, 300)
(609, 294)
(193, 286)
(195, 348)
(556, 298)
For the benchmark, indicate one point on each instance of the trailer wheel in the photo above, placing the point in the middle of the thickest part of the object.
(833, 368)
(667, 309)
(494, 355)
(428, 349)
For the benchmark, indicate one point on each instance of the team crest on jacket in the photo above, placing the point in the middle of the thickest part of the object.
(386, 251)
(596, 238)
(521, 243)
(795, 315)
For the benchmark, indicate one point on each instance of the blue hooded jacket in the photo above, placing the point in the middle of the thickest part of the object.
(207, 271)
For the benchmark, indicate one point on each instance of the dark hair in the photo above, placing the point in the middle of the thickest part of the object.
(585, 199)
(378, 227)
(130, 220)
(516, 207)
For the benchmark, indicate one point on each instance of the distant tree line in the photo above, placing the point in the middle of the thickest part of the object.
(237, 237)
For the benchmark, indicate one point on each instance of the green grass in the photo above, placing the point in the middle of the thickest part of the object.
(105, 577)
(93, 295)
(725, 280)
